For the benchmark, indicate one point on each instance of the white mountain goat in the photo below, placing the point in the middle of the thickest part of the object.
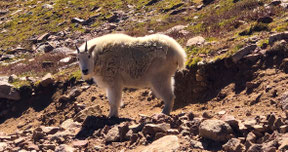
(115, 61)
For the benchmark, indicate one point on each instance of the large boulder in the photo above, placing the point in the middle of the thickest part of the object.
(198, 40)
(168, 143)
(242, 52)
(47, 80)
(216, 130)
(277, 37)
(7, 91)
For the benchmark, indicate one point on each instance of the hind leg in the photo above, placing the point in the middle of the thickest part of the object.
(163, 87)
(114, 94)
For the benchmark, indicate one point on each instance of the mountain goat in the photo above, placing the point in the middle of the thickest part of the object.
(115, 61)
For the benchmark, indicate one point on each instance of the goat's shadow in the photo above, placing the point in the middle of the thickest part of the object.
(92, 123)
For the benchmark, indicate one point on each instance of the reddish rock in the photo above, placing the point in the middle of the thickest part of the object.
(80, 143)
(47, 80)
(233, 145)
(216, 130)
(152, 129)
(3, 146)
(169, 143)
(112, 135)
(64, 148)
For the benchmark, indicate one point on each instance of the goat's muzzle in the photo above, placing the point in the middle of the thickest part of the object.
(85, 72)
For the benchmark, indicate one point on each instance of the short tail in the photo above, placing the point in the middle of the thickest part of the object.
(181, 58)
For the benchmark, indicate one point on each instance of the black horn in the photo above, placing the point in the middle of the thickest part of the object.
(86, 48)
(78, 51)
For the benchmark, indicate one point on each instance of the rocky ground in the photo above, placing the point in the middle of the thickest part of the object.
(245, 110)
(226, 100)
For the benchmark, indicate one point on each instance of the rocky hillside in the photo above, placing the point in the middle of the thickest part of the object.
(232, 96)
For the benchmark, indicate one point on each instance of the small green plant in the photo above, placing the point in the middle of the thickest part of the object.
(263, 42)
(75, 75)
(193, 61)
(19, 83)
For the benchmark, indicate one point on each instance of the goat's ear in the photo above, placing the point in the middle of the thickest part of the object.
(78, 51)
(86, 47)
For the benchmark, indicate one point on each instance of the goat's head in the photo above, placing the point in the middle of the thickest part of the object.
(84, 58)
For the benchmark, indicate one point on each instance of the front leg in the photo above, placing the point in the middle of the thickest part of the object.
(114, 94)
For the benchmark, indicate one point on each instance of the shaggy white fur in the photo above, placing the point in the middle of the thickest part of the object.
(116, 61)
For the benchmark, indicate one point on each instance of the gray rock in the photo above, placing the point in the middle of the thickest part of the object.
(89, 111)
(65, 50)
(47, 6)
(69, 123)
(5, 137)
(64, 98)
(284, 101)
(284, 129)
(152, 129)
(19, 140)
(5, 57)
(283, 142)
(196, 144)
(12, 78)
(112, 135)
(208, 115)
(251, 137)
(169, 143)
(3, 146)
(50, 130)
(216, 130)
(231, 121)
(198, 40)
(77, 20)
(43, 37)
(3, 12)
(45, 48)
(68, 59)
(233, 145)
(47, 80)
(74, 93)
(175, 29)
(242, 52)
(7, 91)
(79, 143)
(284, 5)
(277, 37)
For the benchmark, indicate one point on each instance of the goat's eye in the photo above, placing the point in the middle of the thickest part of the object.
(89, 56)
